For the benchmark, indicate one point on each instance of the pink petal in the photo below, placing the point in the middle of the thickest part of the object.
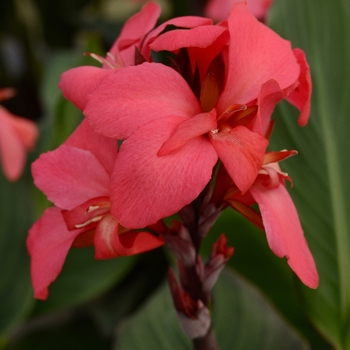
(220, 9)
(26, 130)
(103, 148)
(70, 176)
(284, 232)
(301, 96)
(12, 152)
(270, 94)
(180, 22)
(133, 31)
(201, 37)
(257, 54)
(48, 244)
(110, 244)
(136, 95)
(274, 157)
(145, 187)
(188, 130)
(259, 8)
(242, 153)
(77, 83)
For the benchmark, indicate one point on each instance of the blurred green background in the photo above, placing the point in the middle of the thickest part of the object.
(124, 303)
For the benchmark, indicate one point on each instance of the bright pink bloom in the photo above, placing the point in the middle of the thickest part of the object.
(176, 123)
(279, 217)
(218, 10)
(17, 136)
(76, 178)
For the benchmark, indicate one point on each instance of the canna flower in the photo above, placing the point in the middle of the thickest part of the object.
(218, 10)
(17, 136)
(278, 216)
(76, 178)
(176, 122)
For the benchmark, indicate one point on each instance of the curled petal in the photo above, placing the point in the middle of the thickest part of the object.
(77, 83)
(70, 176)
(146, 187)
(301, 96)
(133, 32)
(274, 157)
(48, 244)
(109, 243)
(242, 153)
(283, 230)
(173, 40)
(136, 95)
(270, 94)
(269, 177)
(180, 22)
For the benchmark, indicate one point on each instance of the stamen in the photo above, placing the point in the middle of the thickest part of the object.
(91, 208)
(110, 56)
(102, 60)
(117, 59)
(94, 219)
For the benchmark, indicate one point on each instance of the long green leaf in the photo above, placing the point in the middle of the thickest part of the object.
(15, 287)
(321, 171)
(83, 278)
(243, 319)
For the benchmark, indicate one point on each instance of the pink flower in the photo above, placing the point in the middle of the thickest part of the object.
(76, 178)
(279, 217)
(176, 123)
(218, 10)
(17, 136)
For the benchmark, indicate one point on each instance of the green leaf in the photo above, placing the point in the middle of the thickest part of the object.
(321, 171)
(16, 297)
(243, 319)
(79, 333)
(255, 261)
(83, 278)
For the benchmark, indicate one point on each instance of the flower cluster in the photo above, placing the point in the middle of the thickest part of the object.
(208, 110)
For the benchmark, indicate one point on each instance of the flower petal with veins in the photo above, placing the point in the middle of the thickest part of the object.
(146, 187)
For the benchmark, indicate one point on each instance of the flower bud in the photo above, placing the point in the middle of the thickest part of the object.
(193, 315)
(218, 258)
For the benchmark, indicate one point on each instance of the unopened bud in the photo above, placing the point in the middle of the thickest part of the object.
(193, 315)
(217, 261)
(179, 241)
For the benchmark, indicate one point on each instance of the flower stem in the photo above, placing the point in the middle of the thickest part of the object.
(208, 342)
